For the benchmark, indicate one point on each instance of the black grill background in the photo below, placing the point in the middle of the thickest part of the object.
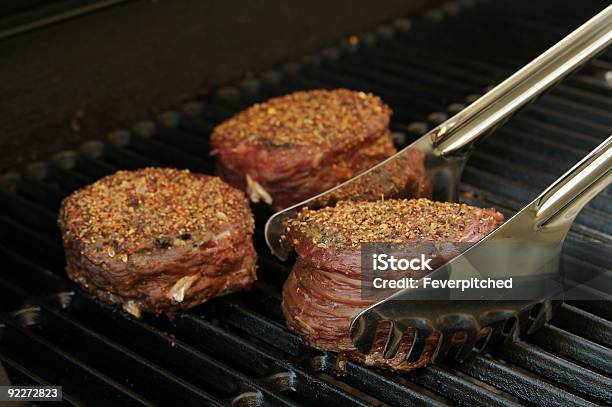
(236, 350)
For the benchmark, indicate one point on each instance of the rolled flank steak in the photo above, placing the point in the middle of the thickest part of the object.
(323, 291)
(296, 146)
(158, 239)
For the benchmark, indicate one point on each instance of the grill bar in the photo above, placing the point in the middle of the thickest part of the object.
(584, 382)
(573, 347)
(446, 381)
(585, 324)
(516, 381)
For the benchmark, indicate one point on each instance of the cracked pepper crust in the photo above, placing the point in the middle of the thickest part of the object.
(158, 239)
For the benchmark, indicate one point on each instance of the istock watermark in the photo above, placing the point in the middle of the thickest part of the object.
(384, 262)
(387, 268)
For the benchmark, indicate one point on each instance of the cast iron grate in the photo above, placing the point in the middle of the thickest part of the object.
(236, 350)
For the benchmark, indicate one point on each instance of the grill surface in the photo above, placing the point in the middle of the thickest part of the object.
(236, 350)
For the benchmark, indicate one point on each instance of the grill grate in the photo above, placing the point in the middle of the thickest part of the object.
(235, 350)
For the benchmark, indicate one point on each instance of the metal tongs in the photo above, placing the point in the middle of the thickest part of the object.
(447, 146)
(446, 149)
(527, 248)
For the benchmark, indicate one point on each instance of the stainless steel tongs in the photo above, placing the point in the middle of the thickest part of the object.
(446, 149)
(527, 248)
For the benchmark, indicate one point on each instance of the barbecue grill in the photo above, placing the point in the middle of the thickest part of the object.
(236, 350)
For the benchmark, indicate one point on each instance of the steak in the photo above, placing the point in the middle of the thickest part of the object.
(158, 239)
(296, 146)
(323, 291)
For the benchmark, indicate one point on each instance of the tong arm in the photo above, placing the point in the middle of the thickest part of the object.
(492, 109)
(558, 206)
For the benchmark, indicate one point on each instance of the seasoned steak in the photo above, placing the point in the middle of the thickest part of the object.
(296, 146)
(323, 291)
(158, 239)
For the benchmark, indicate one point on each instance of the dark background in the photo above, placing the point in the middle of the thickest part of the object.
(105, 64)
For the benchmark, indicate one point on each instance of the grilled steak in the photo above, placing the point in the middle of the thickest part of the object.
(323, 291)
(158, 239)
(293, 147)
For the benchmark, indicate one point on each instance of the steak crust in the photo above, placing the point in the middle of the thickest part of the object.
(323, 291)
(296, 146)
(158, 239)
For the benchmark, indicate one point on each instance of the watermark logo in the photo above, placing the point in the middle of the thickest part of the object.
(387, 268)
